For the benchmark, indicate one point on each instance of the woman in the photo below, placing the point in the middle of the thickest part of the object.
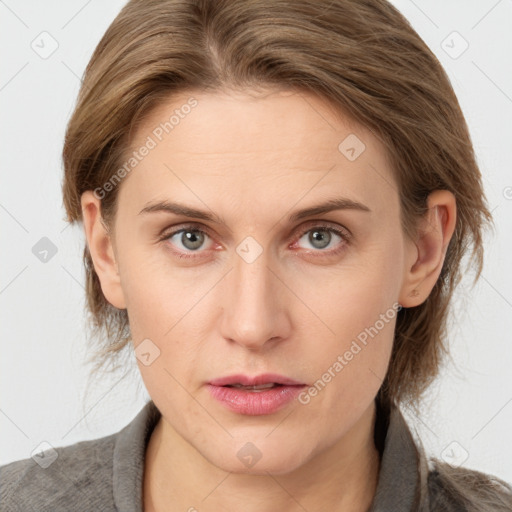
(276, 198)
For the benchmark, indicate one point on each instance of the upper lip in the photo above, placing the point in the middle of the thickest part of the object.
(257, 380)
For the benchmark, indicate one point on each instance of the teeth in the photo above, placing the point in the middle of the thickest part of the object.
(254, 388)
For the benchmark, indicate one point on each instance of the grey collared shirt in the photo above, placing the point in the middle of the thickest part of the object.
(107, 474)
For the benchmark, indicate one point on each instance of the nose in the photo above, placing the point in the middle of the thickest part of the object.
(254, 305)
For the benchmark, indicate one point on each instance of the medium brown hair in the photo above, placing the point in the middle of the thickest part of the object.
(360, 56)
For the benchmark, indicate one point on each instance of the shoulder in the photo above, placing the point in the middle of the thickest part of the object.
(453, 489)
(76, 477)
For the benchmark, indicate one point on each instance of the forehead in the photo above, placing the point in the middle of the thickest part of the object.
(276, 145)
(304, 122)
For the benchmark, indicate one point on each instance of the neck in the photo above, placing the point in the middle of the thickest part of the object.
(342, 477)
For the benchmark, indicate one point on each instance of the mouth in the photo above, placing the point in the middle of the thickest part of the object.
(259, 395)
(261, 387)
(258, 381)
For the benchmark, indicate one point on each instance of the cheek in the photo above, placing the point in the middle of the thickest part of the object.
(353, 296)
(153, 295)
(349, 370)
(358, 308)
(170, 307)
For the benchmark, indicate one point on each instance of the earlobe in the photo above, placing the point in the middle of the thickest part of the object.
(101, 249)
(427, 253)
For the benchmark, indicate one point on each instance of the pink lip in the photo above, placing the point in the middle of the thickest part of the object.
(264, 378)
(254, 402)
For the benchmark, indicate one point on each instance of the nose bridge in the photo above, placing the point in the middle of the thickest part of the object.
(253, 314)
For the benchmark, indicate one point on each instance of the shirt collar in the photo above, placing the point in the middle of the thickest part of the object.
(402, 481)
(401, 485)
(129, 454)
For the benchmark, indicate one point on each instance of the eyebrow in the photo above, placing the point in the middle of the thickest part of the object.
(340, 203)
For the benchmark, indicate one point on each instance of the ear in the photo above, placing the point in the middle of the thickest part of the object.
(102, 250)
(425, 256)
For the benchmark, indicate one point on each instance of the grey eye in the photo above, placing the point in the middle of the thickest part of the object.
(321, 238)
(190, 239)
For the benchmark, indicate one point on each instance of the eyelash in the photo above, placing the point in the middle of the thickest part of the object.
(342, 233)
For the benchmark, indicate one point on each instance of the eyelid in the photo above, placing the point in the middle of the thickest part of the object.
(302, 229)
(328, 225)
(298, 233)
(191, 226)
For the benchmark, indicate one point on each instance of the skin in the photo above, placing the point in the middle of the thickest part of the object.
(253, 160)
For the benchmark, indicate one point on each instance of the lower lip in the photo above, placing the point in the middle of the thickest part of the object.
(255, 403)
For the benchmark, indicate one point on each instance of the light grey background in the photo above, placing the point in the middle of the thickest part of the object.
(467, 417)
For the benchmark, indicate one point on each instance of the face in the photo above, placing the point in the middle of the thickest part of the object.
(259, 282)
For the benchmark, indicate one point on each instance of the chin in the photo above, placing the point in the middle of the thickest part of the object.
(259, 458)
